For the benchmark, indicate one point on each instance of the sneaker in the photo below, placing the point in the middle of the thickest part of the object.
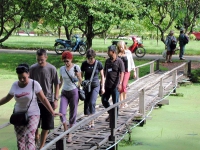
(170, 61)
(182, 58)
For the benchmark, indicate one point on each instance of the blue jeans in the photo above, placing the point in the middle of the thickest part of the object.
(90, 101)
(182, 50)
(106, 96)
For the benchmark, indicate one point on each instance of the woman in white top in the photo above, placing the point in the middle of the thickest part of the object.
(21, 90)
(126, 56)
(69, 74)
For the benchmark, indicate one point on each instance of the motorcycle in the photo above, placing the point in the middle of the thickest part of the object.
(76, 44)
(137, 47)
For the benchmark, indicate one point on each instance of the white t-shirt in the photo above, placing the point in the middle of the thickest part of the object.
(23, 97)
(67, 83)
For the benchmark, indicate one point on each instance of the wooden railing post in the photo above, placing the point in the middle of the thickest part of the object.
(61, 144)
(137, 73)
(158, 64)
(142, 102)
(113, 125)
(161, 89)
(189, 69)
(151, 67)
(174, 77)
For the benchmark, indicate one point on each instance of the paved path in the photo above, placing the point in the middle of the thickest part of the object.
(147, 56)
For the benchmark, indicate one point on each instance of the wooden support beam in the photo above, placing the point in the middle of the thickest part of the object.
(142, 102)
(164, 102)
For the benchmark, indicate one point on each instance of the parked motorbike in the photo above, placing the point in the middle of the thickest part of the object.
(76, 44)
(137, 47)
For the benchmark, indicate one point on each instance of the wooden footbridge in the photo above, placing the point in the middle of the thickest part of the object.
(143, 95)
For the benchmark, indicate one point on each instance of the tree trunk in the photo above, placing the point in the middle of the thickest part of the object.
(90, 34)
(67, 32)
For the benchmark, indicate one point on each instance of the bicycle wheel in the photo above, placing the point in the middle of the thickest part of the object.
(140, 52)
(82, 49)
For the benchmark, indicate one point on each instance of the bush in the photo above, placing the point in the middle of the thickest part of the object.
(195, 76)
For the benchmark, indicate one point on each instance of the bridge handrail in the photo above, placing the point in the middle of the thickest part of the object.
(163, 75)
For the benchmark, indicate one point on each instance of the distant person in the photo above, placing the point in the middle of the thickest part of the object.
(69, 74)
(114, 74)
(183, 40)
(23, 91)
(170, 43)
(46, 74)
(91, 97)
(127, 58)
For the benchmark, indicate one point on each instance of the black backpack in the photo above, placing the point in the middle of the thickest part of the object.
(186, 39)
(173, 44)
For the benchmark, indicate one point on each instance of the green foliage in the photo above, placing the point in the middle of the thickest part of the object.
(195, 76)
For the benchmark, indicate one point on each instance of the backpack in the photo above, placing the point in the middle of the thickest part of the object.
(173, 44)
(186, 39)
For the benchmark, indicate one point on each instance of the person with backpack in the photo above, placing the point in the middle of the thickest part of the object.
(183, 40)
(170, 44)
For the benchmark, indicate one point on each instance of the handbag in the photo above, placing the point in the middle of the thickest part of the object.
(21, 118)
(87, 84)
(81, 92)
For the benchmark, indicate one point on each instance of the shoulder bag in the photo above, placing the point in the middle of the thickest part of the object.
(86, 84)
(21, 118)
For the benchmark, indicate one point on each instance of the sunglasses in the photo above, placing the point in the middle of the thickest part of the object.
(66, 61)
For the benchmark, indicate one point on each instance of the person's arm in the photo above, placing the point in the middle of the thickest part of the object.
(6, 99)
(121, 80)
(56, 89)
(61, 82)
(102, 81)
(79, 76)
(46, 103)
(130, 58)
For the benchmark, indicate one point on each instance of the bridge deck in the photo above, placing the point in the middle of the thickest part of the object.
(99, 137)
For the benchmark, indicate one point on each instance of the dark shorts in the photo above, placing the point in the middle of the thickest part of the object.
(171, 52)
(46, 119)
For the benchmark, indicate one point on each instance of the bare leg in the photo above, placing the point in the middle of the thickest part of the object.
(37, 137)
(121, 99)
(65, 126)
(43, 138)
(170, 57)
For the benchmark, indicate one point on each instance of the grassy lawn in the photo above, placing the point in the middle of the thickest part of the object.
(151, 46)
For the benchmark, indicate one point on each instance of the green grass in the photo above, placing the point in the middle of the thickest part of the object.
(34, 42)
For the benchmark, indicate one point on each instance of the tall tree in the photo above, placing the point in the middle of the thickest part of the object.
(13, 12)
(96, 16)
(188, 14)
(161, 13)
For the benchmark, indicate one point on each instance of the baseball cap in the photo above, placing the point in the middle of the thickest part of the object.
(112, 48)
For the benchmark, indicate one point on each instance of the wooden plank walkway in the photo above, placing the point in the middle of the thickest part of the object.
(151, 89)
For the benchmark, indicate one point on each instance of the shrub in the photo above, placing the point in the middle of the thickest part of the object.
(195, 76)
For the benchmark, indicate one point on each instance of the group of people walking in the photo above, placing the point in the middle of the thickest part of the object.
(110, 80)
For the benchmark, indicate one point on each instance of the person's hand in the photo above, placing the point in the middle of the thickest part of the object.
(57, 114)
(102, 90)
(134, 74)
(55, 104)
(119, 87)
